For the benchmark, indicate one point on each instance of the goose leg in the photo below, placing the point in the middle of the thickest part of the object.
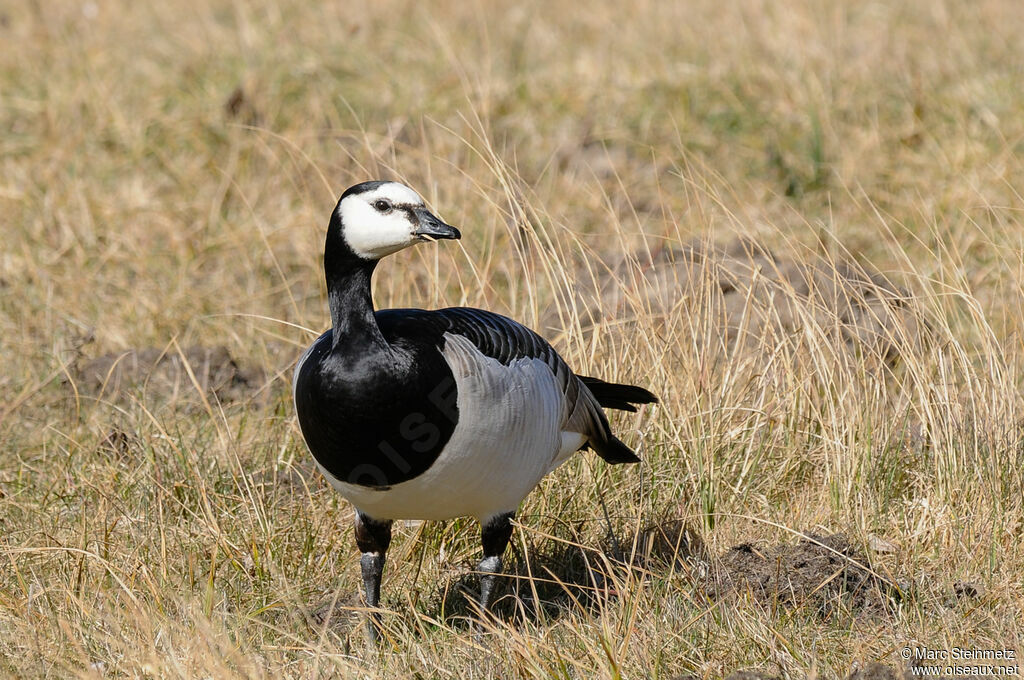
(373, 538)
(495, 534)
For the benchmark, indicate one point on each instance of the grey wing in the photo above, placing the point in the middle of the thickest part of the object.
(506, 341)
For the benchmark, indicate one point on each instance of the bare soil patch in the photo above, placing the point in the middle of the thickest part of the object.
(829, 573)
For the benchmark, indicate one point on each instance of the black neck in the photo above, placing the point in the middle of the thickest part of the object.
(348, 293)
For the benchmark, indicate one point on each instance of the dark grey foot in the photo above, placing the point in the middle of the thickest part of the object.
(373, 537)
(373, 569)
(489, 569)
(495, 535)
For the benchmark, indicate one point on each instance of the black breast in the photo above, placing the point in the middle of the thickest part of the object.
(377, 417)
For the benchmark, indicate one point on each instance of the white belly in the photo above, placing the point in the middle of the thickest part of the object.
(509, 435)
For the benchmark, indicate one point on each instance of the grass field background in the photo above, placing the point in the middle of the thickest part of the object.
(166, 177)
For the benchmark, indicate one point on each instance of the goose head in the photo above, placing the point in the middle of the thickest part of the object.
(375, 219)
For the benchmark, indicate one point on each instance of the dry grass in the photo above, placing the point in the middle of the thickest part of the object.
(166, 175)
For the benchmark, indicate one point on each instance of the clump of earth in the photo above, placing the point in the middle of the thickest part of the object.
(829, 573)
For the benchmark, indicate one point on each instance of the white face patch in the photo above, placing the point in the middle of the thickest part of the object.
(372, 232)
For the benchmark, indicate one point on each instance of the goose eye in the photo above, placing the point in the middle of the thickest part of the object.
(382, 205)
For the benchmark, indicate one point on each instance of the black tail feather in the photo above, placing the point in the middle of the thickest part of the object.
(613, 451)
(614, 395)
(624, 398)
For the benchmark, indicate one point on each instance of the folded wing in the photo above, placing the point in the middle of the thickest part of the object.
(505, 340)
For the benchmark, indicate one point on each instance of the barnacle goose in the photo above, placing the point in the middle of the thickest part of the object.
(415, 414)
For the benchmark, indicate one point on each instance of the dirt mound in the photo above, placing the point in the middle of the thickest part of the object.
(165, 373)
(829, 573)
(744, 291)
